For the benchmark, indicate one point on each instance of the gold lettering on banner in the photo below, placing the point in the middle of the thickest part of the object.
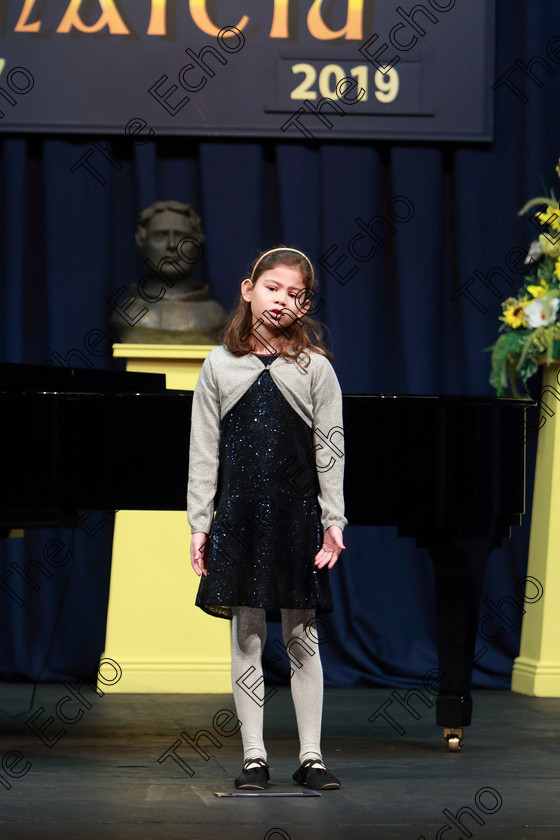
(352, 30)
(201, 18)
(279, 28)
(109, 17)
(157, 25)
(22, 25)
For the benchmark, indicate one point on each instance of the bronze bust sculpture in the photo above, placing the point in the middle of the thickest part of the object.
(180, 311)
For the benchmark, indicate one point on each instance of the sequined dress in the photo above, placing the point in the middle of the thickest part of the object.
(267, 528)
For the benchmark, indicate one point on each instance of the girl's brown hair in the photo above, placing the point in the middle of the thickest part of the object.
(302, 335)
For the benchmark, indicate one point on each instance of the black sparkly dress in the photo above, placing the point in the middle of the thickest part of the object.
(267, 528)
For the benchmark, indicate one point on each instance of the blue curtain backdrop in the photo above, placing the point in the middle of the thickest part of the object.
(67, 245)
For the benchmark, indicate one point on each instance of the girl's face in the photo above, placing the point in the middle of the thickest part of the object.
(274, 299)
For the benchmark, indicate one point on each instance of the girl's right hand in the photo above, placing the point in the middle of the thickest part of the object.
(199, 542)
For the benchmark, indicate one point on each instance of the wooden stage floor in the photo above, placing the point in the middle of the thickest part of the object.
(99, 777)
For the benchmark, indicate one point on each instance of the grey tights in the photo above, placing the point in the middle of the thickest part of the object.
(306, 683)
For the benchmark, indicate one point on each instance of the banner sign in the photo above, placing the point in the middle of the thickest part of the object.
(297, 69)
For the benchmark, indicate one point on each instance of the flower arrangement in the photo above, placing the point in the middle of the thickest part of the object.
(530, 329)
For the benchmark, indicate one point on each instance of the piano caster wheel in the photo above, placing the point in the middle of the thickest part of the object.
(454, 739)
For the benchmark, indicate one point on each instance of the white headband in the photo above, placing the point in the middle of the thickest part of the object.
(274, 250)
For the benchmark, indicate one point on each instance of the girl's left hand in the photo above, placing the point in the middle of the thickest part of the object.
(331, 548)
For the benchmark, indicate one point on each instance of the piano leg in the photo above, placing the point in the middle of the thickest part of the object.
(458, 569)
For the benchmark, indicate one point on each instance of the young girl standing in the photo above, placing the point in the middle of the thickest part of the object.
(266, 456)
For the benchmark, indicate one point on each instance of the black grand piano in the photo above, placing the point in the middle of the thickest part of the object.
(447, 471)
(74, 440)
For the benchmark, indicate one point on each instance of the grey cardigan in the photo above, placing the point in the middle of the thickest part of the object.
(314, 394)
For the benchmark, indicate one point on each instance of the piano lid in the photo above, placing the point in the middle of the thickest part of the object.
(430, 464)
(23, 378)
(444, 399)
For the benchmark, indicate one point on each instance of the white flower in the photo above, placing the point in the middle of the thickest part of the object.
(541, 312)
(535, 252)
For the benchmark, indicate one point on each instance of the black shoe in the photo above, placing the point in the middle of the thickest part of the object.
(254, 776)
(315, 777)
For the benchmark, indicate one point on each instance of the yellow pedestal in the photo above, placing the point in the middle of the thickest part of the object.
(536, 671)
(180, 363)
(162, 642)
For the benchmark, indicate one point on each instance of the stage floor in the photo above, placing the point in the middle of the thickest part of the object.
(100, 776)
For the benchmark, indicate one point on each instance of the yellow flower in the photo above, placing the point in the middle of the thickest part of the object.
(514, 312)
(549, 217)
(549, 249)
(542, 290)
(557, 268)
